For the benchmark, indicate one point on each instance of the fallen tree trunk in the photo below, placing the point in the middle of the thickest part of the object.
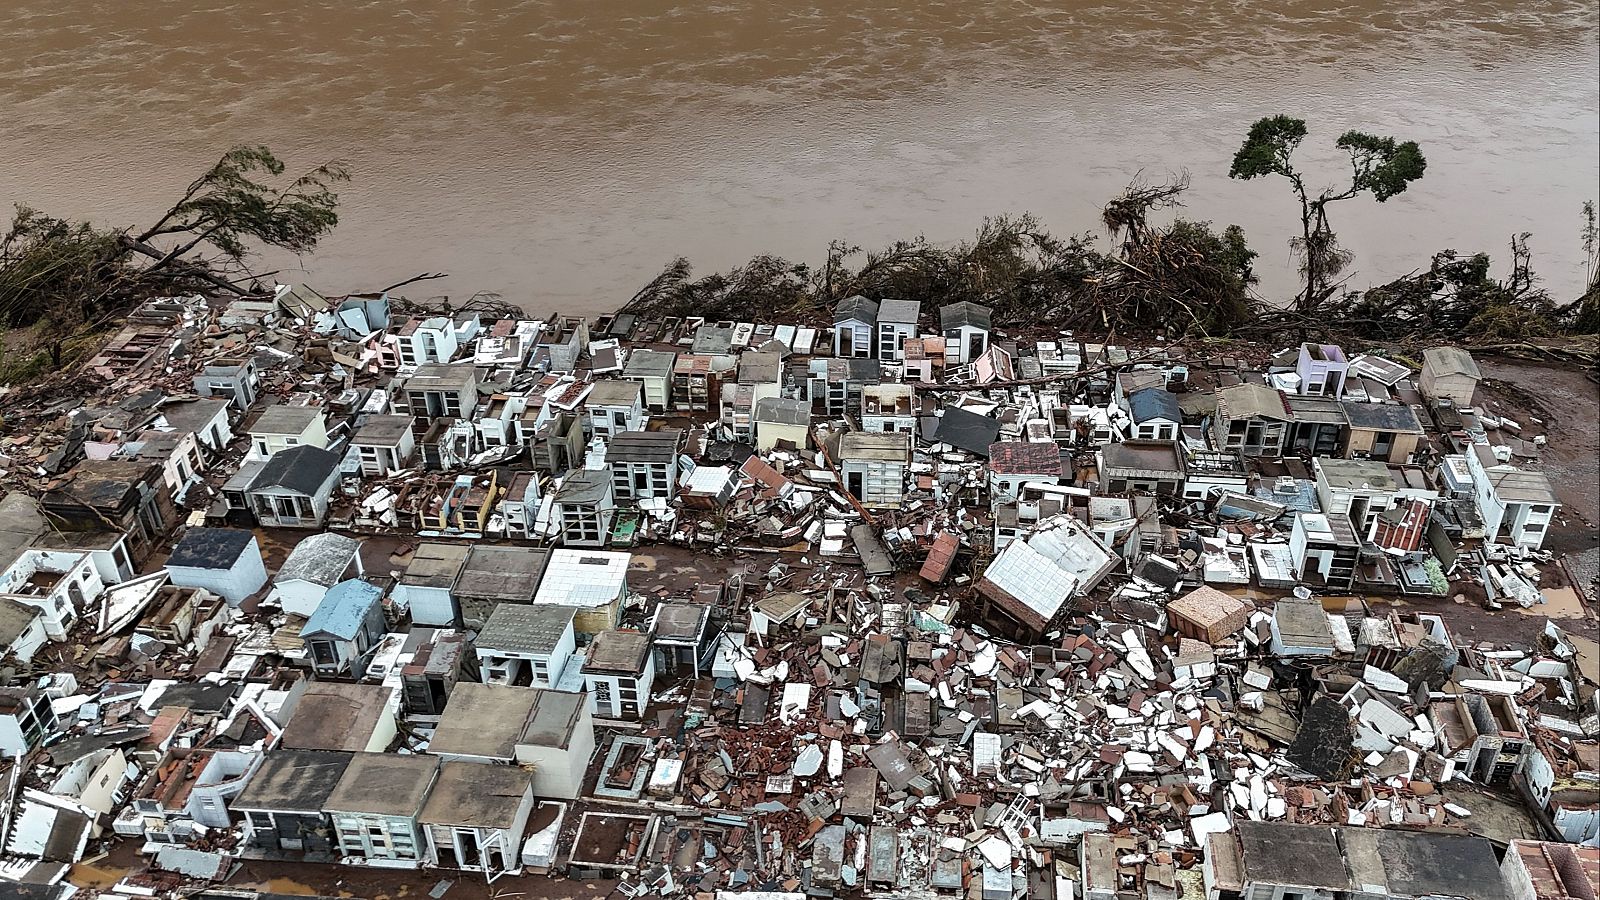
(181, 266)
(1548, 352)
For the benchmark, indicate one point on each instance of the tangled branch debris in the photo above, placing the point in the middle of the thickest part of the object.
(1182, 279)
(74, 278)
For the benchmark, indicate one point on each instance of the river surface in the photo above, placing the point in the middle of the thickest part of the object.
(560, 152)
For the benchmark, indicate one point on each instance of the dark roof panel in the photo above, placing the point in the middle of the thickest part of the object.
(1322, 746)
(645, 446)
(1382, 416)
(1154, 403)
(967, 430)
(1426, 864)
(858, 308)
(301, 469)
(1309, 855)
(211, 548)
(965, 314)
(294, 780)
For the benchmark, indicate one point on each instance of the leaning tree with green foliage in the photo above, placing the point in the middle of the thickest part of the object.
(69, 277)
(1585, 311)
(1380, 166)
(231, 206)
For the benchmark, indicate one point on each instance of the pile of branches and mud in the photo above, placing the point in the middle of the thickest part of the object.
(1183, 276)
(1181, 279)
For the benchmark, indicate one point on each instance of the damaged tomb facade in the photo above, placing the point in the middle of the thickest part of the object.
(904, 607)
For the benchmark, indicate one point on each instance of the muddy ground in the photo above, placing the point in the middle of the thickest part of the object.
(1566, 404)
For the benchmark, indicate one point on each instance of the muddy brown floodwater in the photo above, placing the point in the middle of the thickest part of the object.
(561, 151)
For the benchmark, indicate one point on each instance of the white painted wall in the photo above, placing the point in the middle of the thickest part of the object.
(262, 446)
(558, 772)
(555, 662)
(768, 434)
(428, 605)
(615, 685)
(30, 641)
(79, 585)
(299, 597)
(248, 575)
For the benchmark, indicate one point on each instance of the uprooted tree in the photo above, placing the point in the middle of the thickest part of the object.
(71, 276)
(1380, 166)
(1174, 276)
(1180, 277)
(1454, 295)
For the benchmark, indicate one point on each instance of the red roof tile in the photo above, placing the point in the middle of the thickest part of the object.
(1025, 458)
(937, 565)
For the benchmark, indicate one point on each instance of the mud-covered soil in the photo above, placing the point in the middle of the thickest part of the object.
(1567, 404)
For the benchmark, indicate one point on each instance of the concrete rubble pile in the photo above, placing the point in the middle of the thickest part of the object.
(997, 754)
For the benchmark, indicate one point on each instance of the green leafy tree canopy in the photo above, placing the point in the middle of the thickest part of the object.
(1380, 166)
